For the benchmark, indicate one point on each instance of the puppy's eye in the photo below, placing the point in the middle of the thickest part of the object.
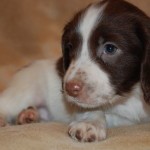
(68, 47)
(110, 49)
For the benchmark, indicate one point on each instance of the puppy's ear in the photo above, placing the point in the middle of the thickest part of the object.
(65, 48)
(145, 68)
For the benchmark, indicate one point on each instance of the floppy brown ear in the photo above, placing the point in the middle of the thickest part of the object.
(65, 49)
(145, 69)
(145, 75)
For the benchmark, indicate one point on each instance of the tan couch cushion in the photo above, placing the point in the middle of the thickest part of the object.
(53, 136)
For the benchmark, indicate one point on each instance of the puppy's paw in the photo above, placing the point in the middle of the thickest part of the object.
(87, 132)
(29, 115)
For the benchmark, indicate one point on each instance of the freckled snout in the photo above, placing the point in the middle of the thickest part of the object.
(73, 88)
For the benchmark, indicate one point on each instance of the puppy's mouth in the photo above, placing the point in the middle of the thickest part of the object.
(85, 101)
(82, 102)
(84, 95)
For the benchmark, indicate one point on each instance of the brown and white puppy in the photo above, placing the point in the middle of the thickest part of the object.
(106, 61)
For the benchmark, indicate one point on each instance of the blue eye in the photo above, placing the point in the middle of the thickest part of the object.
(110, 49)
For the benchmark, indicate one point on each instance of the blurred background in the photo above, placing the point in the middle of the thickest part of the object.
(32, 29)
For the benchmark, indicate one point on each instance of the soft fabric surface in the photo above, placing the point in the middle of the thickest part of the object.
(53, 136)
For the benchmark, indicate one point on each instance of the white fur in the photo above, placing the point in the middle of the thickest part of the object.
(132, 110)
(37, 85)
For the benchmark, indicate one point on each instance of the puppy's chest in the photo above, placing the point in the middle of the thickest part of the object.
(133, 111)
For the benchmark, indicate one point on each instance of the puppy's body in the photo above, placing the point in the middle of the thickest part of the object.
(106, 71)
(37, 85)
(40, 85)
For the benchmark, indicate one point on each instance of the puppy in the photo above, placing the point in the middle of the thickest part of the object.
(103, 79)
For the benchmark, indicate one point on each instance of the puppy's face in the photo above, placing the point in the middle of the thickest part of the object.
(103, 48)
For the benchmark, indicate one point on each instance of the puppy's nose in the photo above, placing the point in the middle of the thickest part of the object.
(73, 88)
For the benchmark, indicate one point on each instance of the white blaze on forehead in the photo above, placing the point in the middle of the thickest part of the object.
(89, 21)
(87, 24)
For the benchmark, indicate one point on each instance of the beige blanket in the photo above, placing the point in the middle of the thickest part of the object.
(53, 136)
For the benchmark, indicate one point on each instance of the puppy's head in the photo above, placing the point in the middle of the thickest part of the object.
(106, 51)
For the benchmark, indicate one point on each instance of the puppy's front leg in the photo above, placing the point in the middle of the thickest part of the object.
(89, 127)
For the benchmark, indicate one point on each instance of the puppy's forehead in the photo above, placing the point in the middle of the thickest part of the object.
(90, 19)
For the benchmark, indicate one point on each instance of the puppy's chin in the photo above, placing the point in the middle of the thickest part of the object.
(86, 103)
(100, 102)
